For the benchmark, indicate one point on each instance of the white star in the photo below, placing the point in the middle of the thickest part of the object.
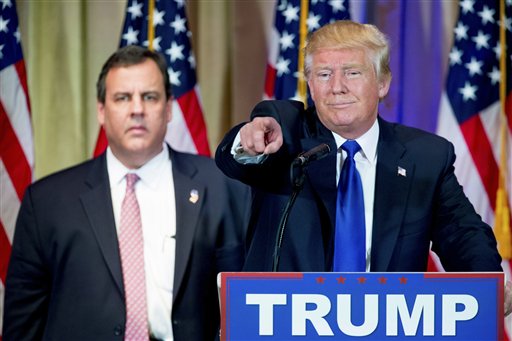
(6, 3)
(468, 91)
(180, 3)
(281, 6)
(17, 34)
(467, 6)
(156, 44)
(474, 67)
(175, 51)
(297, 74)
(291, 13)
(508, 23)
(296, 96)
(487, 15)
(286, 40)
(455, 56)
(461, 31)
(3, 24)
(494, 75)
(481, 40)
(497, 50)
(158, 17)
(282, 66)
(1, 52)
(174, 77)
(131, 36)
(313, 21)
(337, 5)
(509, 2)
(178, 24)
(135, 10)
(192, 61)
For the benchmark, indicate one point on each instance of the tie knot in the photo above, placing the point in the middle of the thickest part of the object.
(351, 147)
(131, 179)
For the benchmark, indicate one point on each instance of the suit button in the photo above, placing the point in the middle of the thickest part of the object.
(118, 330)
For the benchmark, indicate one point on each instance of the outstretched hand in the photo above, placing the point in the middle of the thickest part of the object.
(263, 135)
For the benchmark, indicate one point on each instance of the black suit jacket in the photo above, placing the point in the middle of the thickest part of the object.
(64, 279)
(412, 210)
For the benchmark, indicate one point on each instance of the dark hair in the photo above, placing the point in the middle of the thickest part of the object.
(127, 56)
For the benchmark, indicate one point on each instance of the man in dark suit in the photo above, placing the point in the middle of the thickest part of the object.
(65, 279)
(412, 200)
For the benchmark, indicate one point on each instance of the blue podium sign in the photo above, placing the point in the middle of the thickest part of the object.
(373, 306)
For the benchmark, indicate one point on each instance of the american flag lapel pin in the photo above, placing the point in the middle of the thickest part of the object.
(401, 171)
(194, 196)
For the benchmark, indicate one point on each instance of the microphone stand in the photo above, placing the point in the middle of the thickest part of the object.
(297, 181)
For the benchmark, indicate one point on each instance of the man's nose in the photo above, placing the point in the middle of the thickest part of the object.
(339, 83)
(137, 105)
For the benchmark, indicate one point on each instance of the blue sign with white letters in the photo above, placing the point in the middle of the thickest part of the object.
(374, 306)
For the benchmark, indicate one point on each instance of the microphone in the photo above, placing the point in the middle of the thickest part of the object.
(313, 154)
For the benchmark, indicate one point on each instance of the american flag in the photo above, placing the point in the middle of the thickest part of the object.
(471, 114)
(285, 44)
(169, 35)
(16, 142)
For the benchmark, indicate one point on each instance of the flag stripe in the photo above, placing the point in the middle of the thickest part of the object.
(192, 113)
(178, 135)
(22, 77)
(101, 143)
(270, 80)
(16, 141)
(508, 109)
(13, 156)
(481, 152)
(10, 202)
(5, 252)
(14, 101)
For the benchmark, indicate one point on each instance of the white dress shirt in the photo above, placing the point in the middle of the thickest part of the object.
(155, 194)
(366, 164)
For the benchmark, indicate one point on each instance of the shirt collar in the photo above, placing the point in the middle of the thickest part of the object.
(146, 173)
(368, 142)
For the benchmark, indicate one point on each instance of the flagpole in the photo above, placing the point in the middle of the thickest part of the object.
(151, 28)
(502, 213)
(303, 31)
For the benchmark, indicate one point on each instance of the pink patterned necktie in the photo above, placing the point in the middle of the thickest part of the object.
(131, 245)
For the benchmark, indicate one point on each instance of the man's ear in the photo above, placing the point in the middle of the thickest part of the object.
(384, 86)
(100, 112)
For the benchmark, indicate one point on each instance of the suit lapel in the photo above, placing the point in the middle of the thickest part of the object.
(190, 196)
(97, 204)
(395, 172)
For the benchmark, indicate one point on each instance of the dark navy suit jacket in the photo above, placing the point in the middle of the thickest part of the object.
(64, 279)
(422, 205)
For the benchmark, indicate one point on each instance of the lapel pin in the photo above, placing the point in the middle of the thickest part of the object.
(194, 196)
(402, 171)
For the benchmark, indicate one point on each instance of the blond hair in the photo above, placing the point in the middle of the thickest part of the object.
(346, 34)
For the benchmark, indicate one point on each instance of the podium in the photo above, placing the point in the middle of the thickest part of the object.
(370, 306)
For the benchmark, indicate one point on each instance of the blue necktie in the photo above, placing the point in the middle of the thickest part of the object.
(350, 235)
